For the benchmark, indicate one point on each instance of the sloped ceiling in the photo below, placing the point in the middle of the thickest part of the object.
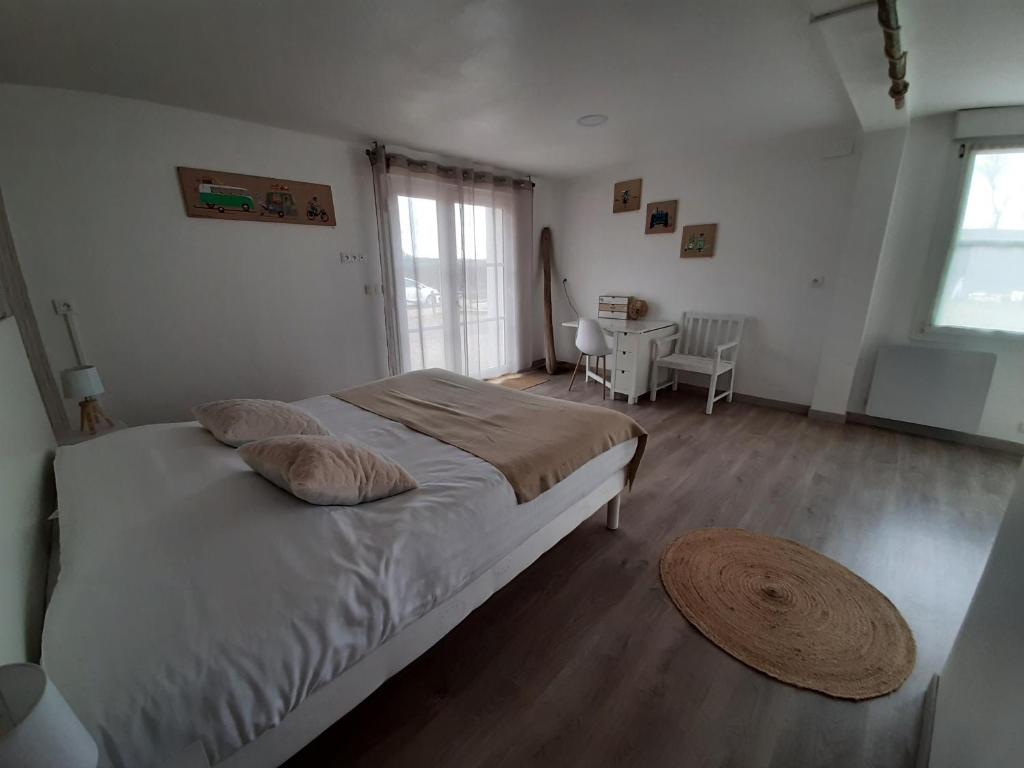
(495, 80)
(503, 81)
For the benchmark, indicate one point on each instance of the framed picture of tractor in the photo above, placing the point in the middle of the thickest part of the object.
(661, 217)
(239, 197)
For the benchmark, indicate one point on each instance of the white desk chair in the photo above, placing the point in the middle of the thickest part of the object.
(707, 344)
(591, 341)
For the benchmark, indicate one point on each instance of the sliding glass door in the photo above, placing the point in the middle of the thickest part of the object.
(455, 283)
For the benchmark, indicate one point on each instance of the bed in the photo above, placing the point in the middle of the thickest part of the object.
(198, 605)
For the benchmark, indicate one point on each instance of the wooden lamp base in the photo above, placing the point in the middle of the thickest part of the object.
(93, 416)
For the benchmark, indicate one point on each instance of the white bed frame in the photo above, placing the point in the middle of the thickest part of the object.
(26, 500)
(331, 702)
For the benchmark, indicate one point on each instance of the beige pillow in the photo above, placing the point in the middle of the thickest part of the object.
(236, 422)
(325, 470)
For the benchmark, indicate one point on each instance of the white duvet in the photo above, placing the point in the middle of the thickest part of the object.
(196, 601)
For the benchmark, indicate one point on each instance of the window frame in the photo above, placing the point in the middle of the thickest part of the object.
(967, 151)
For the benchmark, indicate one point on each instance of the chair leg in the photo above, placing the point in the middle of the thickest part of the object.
(586, 374)
(654, 382)
(711, 394)
(675, 381)
(604, 376)
(574, 370)
(732, 380)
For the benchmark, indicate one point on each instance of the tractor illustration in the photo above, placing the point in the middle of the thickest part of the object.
(278, 204)
(659, 219)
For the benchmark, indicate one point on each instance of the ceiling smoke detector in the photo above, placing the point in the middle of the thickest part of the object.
(592, 121)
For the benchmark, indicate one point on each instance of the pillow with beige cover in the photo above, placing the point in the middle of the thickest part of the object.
(325, 470)
(239, 421)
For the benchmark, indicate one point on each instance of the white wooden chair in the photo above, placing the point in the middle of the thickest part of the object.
(707, 344)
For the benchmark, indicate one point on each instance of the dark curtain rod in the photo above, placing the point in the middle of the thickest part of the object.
(378, 153)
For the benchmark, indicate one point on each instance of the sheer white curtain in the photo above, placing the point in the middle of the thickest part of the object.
(461, 266)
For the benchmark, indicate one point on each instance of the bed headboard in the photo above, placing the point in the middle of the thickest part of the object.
(26, 500)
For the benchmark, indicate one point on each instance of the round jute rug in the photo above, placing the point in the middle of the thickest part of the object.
(789, 612)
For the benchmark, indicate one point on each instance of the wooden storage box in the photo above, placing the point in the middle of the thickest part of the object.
(613, 307)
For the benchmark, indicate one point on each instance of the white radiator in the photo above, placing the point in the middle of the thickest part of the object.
(944, 388)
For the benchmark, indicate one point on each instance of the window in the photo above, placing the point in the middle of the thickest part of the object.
(983, 284)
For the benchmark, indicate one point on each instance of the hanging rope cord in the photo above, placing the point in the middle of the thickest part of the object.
(565, 290)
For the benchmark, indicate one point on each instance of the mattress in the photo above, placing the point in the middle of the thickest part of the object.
(197, 602)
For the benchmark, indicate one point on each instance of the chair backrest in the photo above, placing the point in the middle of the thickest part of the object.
(701, 332)
(590, 338)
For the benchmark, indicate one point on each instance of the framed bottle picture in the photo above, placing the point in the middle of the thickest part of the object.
(627, 196)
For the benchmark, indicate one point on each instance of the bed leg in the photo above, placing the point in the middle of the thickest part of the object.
(613, 512)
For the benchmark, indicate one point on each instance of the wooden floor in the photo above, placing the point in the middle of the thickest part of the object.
(583, 661)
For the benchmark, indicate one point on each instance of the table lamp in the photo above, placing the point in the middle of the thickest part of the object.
(84, 382)
(37, 727)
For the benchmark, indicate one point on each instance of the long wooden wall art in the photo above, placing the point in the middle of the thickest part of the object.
(240, 197)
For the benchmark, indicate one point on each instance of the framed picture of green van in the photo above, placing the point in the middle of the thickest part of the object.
(240, 197)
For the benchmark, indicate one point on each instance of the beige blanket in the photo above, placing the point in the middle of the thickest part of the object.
(534, 441)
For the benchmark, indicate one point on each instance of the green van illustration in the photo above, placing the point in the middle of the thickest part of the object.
(226, 198)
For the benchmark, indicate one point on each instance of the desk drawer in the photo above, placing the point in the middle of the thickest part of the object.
(625, 360)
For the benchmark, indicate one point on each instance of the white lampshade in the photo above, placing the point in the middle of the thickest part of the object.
(83, 381)
(37, 727)
(590, 338)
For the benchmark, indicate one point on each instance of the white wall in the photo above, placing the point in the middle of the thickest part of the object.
(173, 310)
(981, 689)
(923, 212)
(782, 212)
(862, 244)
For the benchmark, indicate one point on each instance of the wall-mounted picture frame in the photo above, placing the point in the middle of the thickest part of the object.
(627, 196)
(661, 218)
(240, 197)
(698, 240)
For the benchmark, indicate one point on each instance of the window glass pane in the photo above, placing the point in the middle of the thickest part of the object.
(983, 287)
(452, 276)
(421, 268)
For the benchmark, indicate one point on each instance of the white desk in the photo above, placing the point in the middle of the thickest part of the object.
(630, 363)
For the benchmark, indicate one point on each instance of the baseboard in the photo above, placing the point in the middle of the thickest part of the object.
(560, 366)
(826, 416)
(924, 735)
(767, 402)
(740, 397)
(937, 433)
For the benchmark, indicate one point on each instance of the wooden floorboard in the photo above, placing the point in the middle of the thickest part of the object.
(583, 660)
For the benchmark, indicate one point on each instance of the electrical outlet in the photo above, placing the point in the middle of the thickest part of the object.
(63, 307)
(1020, 427)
